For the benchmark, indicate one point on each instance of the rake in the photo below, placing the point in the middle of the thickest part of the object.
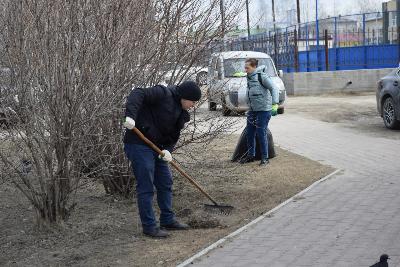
(215, 207)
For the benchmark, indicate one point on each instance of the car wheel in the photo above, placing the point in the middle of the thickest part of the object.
(281, 110)
(212, 106)
(226, 111)
(389, 114)
(201, 78)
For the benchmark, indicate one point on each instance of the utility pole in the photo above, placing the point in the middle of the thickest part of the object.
(275, 34)
(298, 11)
(248, 19)
(317, 32)
(273, 15)
(221, 5)
(334, 8)
(316, 22)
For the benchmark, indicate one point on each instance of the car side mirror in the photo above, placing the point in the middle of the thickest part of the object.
(280, 73)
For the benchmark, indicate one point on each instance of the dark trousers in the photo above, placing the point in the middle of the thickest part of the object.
(257, 123)
(151, 172)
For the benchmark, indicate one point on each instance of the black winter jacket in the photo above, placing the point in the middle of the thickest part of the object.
(158, 114)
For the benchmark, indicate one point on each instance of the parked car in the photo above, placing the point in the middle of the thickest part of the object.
(194, 73)
(388, 99)
(227, 82)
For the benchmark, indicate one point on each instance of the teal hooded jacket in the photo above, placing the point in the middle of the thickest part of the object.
(261, 97)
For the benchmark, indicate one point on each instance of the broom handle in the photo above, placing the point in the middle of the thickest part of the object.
(174, 164)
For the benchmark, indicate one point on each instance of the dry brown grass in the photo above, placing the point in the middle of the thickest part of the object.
(104, 230)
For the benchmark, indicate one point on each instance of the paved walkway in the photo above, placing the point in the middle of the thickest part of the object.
(347, 220)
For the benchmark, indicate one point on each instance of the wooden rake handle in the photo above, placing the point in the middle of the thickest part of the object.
(174, 164)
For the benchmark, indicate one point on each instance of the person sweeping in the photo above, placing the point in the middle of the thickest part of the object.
(263, 99)
(160, 113)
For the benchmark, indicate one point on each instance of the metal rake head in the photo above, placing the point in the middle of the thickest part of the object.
(221, 209)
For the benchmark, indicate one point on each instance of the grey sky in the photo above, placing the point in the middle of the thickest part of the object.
(261, 14)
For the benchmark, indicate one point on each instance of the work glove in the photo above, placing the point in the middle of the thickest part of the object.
(167, 156)
(274, 110)
(129, 123)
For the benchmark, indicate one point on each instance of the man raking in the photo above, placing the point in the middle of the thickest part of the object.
(160, 113)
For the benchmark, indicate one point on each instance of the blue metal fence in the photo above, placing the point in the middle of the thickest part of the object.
(360, 41)
(348, 58)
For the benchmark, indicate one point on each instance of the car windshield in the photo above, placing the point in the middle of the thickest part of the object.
(234, 67)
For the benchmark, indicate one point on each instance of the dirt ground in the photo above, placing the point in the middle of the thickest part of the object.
(353, 111)
(105, 230)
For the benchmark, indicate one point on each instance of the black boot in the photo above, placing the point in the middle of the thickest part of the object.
(156, 233)
(175, 226)
(264, 162)
(247, 159)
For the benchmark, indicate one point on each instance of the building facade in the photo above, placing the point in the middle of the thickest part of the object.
(390, 21)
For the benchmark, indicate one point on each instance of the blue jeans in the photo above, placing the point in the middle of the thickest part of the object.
(151, 172)
(257, 123)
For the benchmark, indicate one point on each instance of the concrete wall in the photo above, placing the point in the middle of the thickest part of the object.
(322, 82)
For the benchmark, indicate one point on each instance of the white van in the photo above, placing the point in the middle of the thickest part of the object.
(227, 82)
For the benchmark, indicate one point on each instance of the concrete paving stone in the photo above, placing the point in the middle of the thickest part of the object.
(347, 220)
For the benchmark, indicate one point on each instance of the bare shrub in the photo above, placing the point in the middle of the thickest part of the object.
(72, 64)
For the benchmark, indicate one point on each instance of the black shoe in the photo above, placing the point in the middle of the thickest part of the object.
(247, 159)
(264, 162)
(156, 233)
(175, 226)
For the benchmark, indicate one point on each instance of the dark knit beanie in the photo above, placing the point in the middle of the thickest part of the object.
(189, 90)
